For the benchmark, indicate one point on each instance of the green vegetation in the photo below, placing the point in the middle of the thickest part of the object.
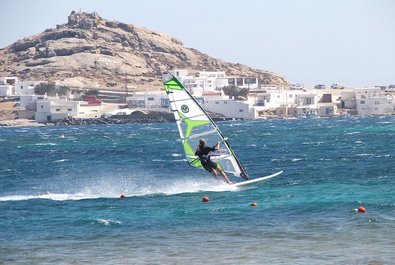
(236, 92)
(51, 89)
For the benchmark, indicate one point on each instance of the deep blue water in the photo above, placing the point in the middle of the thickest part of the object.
(59, 197)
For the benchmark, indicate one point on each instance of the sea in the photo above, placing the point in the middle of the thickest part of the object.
(61, 187)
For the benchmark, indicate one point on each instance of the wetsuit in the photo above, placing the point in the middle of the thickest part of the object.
(205, 158)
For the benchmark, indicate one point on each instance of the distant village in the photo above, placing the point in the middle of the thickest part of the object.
(227, 97)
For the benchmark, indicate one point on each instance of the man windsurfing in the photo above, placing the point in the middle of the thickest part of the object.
(203, 152)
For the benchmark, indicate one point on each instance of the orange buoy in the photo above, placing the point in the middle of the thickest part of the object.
(122, 196)
(254, 204)
(361, 209)
(205, 199)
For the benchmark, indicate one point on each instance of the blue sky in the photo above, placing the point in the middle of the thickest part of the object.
(351, 42)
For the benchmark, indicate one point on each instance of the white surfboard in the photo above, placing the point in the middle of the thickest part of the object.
(247, 182)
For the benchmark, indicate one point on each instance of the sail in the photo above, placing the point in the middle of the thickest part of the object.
(194, 124)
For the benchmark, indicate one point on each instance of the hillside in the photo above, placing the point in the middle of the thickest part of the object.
(89, 51)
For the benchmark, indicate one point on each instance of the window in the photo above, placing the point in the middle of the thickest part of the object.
(376, 102)
(57, 109)
(216, 102)
(225, 102)
(42, 106)
(240, 110)
(250, 80)
(21, 87)
(69, 109)
(362, 101)
(150, 99)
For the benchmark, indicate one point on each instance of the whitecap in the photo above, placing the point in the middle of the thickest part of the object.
(108, 222)
(60, 160)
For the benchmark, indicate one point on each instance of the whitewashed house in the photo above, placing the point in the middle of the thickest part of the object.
(373, 101)
(307, 103)
(229, 108)
(348, 100)
(56, 109)
(30, 101)
(200, 82)
(251, 83)
(7, 86)
(149, 100)
(8, 80)
(53, 109)
(6, 90)
(25, 88)
(203, 81)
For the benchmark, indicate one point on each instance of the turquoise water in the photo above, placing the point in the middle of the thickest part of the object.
(59, 196)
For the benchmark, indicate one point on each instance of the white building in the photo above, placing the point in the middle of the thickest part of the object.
(149, 100)
(286, 102)
(198, 83)
(56, 109)
(229, 108)
(30, 101)
(348, 100)
(251, 83)
(8, 80)
(7, 86)
(52, 110)
(6, 90)
(373, 101)
(24, 88)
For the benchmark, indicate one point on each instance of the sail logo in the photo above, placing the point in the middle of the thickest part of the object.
(185, 108)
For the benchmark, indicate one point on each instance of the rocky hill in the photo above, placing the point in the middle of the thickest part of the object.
(89, 51)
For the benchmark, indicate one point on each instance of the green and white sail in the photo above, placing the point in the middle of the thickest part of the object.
(194, 124)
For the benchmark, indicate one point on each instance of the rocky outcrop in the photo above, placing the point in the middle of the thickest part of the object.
(89, 51)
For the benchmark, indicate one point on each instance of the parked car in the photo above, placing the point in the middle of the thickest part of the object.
(320, 86)
(93, 100)
(337, 86)
(297, 86)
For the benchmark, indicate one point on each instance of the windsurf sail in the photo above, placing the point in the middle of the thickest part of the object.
(193, 124)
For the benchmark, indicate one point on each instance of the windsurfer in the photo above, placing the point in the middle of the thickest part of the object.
(203, 153)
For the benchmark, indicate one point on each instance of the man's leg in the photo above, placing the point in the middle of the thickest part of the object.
(224, 175)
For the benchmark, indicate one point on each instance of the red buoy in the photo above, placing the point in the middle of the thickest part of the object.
(361, 209)
(205, 199)
(123, 196)
(254, 204)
